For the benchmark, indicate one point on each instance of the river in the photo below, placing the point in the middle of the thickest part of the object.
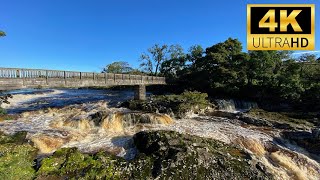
(92, 121)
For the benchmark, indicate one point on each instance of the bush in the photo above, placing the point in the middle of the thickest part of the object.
(187, 101)
(179, 105)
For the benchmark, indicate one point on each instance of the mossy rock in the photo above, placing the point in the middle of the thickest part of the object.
(163, 155)
(278, 120)
(68, 163)
(177, 105)
(181, 156)
(16, 157)
(18, 138)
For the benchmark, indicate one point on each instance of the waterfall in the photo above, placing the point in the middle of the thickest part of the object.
(231, 105)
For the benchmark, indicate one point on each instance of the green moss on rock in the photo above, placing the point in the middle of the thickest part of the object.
(16, 157)
(177, 105)
(276, 119)
(69, 163)
(163, 155)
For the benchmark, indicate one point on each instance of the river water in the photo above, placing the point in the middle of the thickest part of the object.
(68, 118)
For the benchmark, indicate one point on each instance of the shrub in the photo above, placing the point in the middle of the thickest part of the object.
(179, 105)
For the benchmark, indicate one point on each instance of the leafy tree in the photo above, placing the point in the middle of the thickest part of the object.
(118, 67)
(311, 58)
(136, 72)
(218, 70)
(289, 82)
(152, 60)
(171, 67)
(224, 70)
(264, 65)
(2, 34)
(195, 53)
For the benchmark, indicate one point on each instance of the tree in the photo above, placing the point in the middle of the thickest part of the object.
(264, 66)
(2, 34)
(152, 60)
(175, 63)
(218, 70)
(289, 83)
(118, 67)
(311, 58)
(195, 53)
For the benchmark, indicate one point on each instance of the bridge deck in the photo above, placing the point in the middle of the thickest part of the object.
(17, 78)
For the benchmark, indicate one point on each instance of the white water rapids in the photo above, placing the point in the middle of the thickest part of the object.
(63, 118)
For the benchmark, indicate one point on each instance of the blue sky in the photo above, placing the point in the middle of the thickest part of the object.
(85, 35)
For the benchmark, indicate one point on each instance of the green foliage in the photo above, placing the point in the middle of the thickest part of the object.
(179, 105)
(118, 67)
(223, 70)
(16, 157)
(162, 58)
(186, 101)
(2, 34)
(152, 60)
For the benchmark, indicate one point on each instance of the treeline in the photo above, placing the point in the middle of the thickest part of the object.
(223, 70)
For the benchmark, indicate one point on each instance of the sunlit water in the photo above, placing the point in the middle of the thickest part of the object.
(35, 99)
(63, 118)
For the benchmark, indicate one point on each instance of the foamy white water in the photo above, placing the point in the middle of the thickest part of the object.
(72, 126)
(18, 99)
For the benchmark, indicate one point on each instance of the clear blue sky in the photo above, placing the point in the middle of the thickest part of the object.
(85, 35)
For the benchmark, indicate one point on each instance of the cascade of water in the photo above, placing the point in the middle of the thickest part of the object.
(231, 105)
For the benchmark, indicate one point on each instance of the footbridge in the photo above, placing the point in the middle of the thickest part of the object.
(17, 78)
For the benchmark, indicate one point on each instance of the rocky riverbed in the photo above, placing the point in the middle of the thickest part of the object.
(92, 136)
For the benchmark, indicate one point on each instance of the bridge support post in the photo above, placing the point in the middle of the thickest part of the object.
(140, 92)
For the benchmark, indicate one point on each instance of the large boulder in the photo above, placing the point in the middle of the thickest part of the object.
(308, 141)
(162, 155)
(182, 156)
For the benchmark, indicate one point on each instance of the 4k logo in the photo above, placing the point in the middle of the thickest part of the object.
(281, 27)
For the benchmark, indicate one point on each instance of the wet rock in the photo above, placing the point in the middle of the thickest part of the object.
(47, 144)
(254, 121)
(316, 133)
(268, 123)
(163, 155)
(98, 117)
(304, 139)
(178, 156)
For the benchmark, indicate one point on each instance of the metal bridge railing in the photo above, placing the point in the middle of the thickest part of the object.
(41, 73)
